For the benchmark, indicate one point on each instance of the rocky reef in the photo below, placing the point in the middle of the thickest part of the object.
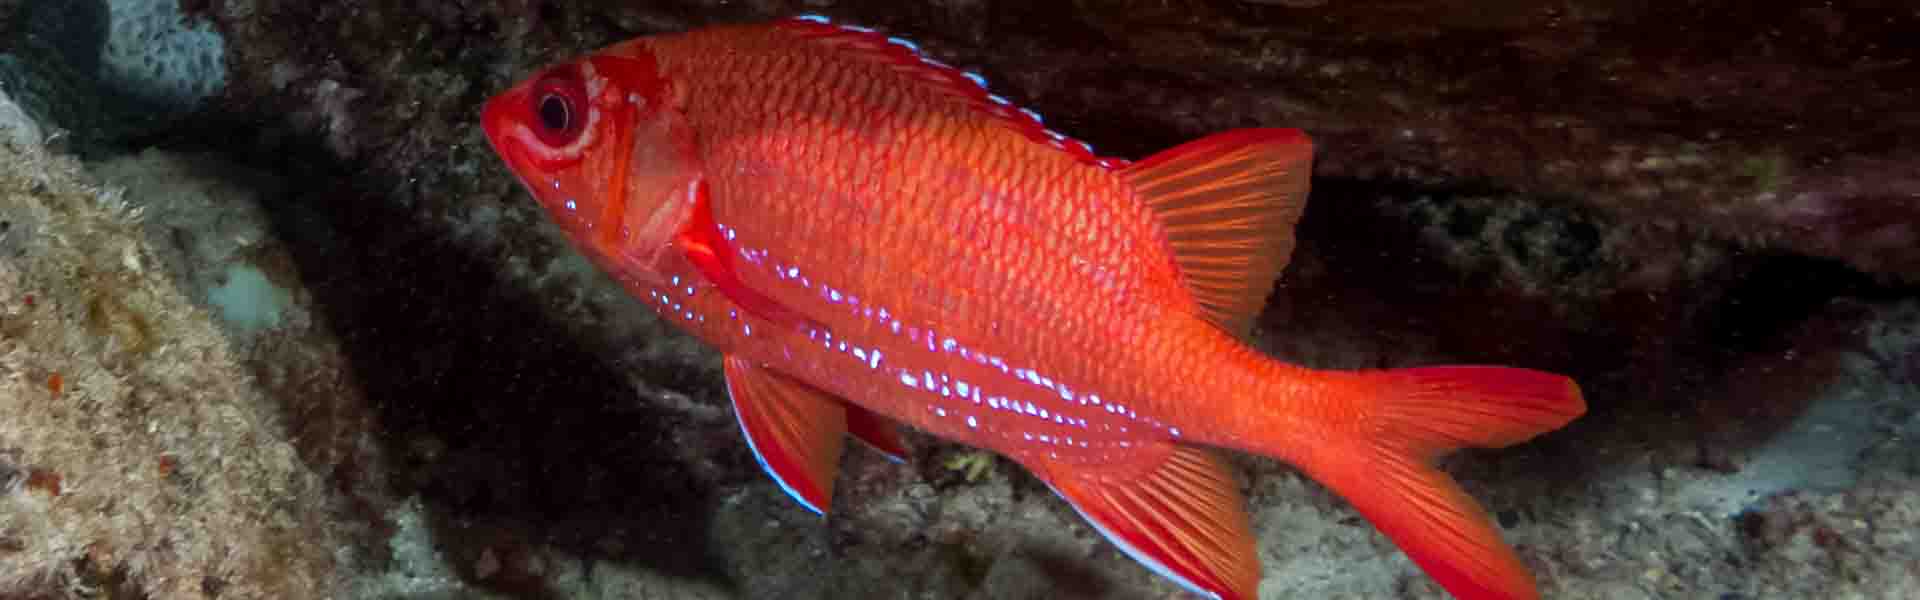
(139, 456)
(274, 323)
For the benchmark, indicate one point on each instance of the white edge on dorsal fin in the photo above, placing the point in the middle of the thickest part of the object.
(972, 87)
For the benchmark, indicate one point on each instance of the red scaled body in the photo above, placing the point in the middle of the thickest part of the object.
(871, 237)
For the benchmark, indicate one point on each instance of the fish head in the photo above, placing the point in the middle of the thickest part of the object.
(603, 146)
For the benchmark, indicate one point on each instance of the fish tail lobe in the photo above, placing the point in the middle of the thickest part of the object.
(1385, 468)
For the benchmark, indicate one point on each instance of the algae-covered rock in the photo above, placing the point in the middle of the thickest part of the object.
(137, 456)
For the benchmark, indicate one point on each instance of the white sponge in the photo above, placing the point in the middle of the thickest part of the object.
(156, 55)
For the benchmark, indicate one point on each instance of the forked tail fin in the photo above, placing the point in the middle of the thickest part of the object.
(1386, 470)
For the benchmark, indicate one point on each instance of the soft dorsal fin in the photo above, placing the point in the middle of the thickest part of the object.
(905, 57)
(1228, 203)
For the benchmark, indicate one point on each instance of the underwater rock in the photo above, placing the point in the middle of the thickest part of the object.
(138, 457)
(17, 128)
(106, 71)
(1790, 131)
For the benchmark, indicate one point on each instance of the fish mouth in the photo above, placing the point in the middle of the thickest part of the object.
(495, 120)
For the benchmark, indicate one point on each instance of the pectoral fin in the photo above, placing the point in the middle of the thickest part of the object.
(1184, 518)
(796, 431)
(704, 245)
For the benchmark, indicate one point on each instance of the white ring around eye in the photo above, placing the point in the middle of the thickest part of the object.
(539, 150)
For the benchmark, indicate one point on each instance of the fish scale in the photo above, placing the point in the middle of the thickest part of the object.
(871, 237)
(909, 219)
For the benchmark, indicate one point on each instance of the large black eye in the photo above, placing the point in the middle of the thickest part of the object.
(555, 115)
(559, 107)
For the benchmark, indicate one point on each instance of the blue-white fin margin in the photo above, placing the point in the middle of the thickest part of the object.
(1053, 138)
(757, 457)
(1132, 552)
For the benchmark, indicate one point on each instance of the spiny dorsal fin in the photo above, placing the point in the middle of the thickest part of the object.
(1229, 203)
(905, 57)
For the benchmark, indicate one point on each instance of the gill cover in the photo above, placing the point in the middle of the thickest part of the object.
(604, 147)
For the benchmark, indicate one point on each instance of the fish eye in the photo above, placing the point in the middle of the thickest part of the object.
(558, 108)
(555, 115)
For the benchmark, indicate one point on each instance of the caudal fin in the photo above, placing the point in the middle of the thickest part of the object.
(1386, 470)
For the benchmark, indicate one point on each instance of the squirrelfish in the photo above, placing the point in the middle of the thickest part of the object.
(872, 238)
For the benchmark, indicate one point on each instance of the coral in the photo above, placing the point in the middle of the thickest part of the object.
(146, 460)
(105, 71)
(205, 223)
(155, 53)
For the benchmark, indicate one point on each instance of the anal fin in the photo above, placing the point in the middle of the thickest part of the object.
(1229, 203)
(1184, 518)
(796, 431)
(877, 432)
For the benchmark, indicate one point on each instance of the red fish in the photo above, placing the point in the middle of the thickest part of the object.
(871, 238)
